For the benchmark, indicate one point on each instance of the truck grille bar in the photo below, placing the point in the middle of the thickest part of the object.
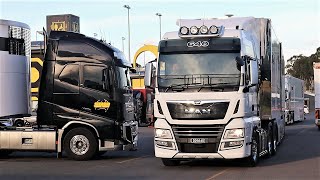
(210, 133)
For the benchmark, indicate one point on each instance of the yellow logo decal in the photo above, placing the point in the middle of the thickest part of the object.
(58, 26)
(101, 105)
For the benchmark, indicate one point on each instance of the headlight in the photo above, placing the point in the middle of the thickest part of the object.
(163, 133)
(234, 133)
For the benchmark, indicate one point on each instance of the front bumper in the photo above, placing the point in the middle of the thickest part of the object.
(174, 149)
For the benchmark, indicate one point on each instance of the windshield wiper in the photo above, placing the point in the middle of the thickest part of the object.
(173, 86)
(215, 85)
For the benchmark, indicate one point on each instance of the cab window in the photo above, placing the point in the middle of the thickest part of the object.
(93, 77)
(70, 74)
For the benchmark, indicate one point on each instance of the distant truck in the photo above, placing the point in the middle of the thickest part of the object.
(85, 101)
(316, 69)
(294, 99)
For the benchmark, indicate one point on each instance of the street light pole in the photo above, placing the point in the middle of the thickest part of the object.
(158, 14)
(123, 38)
(128, 7)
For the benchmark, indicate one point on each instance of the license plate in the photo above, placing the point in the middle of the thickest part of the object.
(198, 140)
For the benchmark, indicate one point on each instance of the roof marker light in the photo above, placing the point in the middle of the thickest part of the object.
(184, 30)
(194, 30)
(204, 29)
(213, 29)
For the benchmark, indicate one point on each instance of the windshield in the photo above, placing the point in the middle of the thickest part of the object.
(123, 77)
(194, 70)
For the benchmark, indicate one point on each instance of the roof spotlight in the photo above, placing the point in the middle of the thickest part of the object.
(204, 29)
(194, 30)
(184, 30)
(213, 29)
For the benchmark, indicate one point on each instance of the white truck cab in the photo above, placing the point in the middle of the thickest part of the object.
(215, 96)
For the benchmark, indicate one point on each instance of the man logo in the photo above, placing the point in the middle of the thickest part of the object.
(198, 44)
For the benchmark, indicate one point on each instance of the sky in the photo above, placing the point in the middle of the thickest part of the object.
(295, 22)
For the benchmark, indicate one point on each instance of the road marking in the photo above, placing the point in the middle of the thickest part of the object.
(128, 160)
(301, 131)
(216, 175)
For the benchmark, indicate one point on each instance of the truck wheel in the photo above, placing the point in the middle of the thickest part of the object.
(253, 159)
(270, 140)
(4, 153)
(80, 144)
(19, 123)
(170, 162)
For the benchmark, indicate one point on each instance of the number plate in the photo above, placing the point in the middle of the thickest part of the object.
(198, 140)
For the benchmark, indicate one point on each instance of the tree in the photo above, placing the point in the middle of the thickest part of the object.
(301, 67)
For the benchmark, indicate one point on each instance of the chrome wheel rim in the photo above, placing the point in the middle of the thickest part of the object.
(274, 145)
(79, 144)
(254, 150)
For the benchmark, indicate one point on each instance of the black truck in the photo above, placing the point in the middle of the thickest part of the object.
(85, 101)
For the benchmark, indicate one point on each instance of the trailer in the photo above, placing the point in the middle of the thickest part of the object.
(316, 70)
(218, 91)
(85, 103)
(294, 99)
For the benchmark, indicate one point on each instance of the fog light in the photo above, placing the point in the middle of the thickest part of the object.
(164, 143)
(233, 144)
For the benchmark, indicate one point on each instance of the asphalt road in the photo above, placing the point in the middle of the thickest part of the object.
(298, 157)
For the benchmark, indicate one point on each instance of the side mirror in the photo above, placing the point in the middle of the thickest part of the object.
(148, 75)
(239, 61)
(254, 73)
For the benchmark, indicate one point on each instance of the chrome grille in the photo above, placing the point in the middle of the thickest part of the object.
(206, 111)
(212, 134)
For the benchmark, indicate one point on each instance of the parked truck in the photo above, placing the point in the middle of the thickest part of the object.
(316, 70)
(294, 99)
(218, 91)
(85, 97)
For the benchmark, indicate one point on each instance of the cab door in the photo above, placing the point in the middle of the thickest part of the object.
(66, 93)
(97, 101)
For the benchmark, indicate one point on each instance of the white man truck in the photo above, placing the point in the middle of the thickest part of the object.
(85, 98)
(294, 99)
(316, 70)
(224, 101)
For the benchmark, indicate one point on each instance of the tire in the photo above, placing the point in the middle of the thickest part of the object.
(5, 153)
(19, 123)
(80, 144)
(253, 159)
(170, 162)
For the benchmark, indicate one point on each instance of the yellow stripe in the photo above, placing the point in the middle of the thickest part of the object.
(34, 98)
(34, 89)
(38, 60)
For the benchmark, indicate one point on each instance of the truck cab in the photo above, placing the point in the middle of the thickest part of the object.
(213, 91)
(85, 100)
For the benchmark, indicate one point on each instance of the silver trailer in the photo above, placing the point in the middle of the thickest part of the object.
(316, 69)
(14, 69)
(294, 99)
